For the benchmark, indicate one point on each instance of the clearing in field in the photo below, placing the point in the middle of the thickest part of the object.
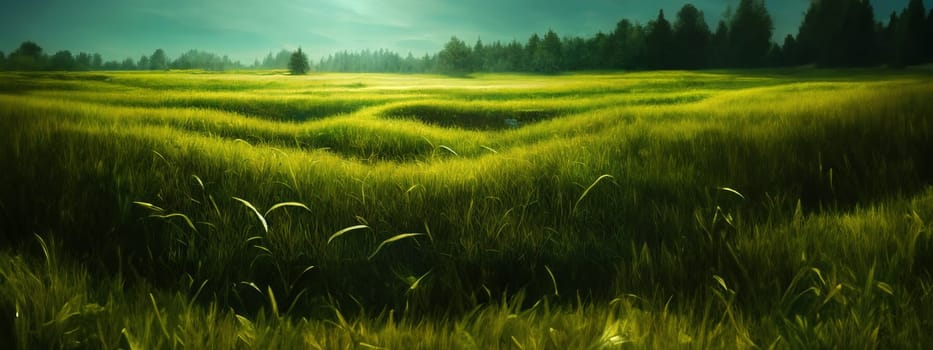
(786, 209)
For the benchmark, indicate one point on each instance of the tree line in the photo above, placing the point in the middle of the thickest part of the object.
(833, 33)
(29, 56)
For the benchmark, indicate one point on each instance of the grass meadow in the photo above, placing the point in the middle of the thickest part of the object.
(734, 209)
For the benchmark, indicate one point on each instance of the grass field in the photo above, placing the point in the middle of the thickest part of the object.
(756, 209)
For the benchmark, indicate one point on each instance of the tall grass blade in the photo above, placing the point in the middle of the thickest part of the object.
(262, 219)
(162, 323)
(198, 180)
(417, 282)
(162, 157)
(588, 189)
(448, 149)
(149, 206)
(553, 280)
(730, 190)
(178, 215)
(197, 294)
(252, 285)
(131, 340)
(348, 229)
(393, 239)
(287, 204)
(272, 303)
(247, 331)
(45, 251)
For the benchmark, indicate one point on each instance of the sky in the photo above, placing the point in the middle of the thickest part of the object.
(246, 30)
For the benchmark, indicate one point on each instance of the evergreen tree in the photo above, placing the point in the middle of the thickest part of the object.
(571, 53)
(750, 34)
(910, 34)
(839, 33)
(546, 57)
(599, 50)
(719, 47)
(530, 49)
(478, 56)
(889, 40)
(660, 43)
(860, 45)
(515, 56)
(298, 63)
(929, 37)
(628, 46)
(691, 38)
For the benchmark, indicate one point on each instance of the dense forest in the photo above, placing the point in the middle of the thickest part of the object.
(833, 33)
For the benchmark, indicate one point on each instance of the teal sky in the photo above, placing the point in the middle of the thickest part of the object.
(246, 30)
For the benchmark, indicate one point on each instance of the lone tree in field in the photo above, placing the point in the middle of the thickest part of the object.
(298, 64)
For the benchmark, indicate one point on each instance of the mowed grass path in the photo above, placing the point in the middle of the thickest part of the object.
(786, 209)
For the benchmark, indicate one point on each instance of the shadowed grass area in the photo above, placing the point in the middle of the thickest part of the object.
(669, 210)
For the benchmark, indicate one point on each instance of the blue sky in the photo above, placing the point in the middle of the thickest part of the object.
(250, 29)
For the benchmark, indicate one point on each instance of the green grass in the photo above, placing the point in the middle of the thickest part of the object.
(771, 209)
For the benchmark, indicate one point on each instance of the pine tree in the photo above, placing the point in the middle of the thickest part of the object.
(298, 64)
(910, 33)
(691, 38)
(546, 57)
(660, 43)
(750, 34)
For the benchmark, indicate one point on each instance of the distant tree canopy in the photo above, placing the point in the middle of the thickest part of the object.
(278, 61)
(62, 60)
(298, 63)
(158, 61)
(455, 57)
(27, 57)
(194, 59)
(833, 33)
(143, 62)
(546, 57)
